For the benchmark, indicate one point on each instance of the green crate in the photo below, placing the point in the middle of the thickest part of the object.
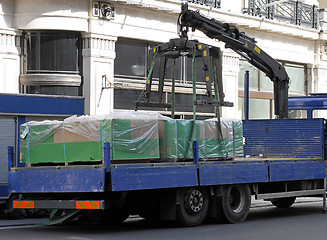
(130, 139)
(177, 136)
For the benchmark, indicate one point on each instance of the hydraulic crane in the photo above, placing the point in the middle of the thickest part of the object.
(244, 46)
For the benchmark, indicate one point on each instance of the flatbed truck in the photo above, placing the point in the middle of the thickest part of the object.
(283, 159)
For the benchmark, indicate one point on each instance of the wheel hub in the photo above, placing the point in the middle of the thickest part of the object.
(194, 201)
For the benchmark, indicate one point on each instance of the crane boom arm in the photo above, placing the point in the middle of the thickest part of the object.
(243, 45)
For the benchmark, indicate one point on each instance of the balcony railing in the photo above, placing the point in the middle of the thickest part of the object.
(209, 3)
(293, 12)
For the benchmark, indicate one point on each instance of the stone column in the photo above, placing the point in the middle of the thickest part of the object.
(9, 61)
(98, 73)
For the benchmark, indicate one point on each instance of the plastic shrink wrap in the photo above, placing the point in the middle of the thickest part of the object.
(177, 136)
(134, 136)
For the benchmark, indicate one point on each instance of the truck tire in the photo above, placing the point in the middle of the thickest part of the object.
(193, 206)
(283, 202)
(235, 203)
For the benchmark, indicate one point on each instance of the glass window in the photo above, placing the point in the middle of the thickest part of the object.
(253, 74)
(126, 98)
(52, 63)
(319, 113)
(258, 109)
(53, 52)
(184, 103)
(297, 78)
(54, 90)
(265, 83)
(130, 60)
(297, 114)
(262, 87)
(169, 69)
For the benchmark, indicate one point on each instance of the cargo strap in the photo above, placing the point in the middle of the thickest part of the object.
(148, 81)
(65, 218)
(218, 110)
(101, 140)
(194, 82)
(173, 91)
(63, 142)
(28, 146)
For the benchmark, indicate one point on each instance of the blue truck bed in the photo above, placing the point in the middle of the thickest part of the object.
(125, 177)
(295, 149)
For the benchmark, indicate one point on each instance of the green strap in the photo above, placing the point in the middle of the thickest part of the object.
(101, 139)
(63, 142)
(217, 107)
(28, 147)
(194, 82)
(216, 88)
(233, 140)
(173, 92)
(148, 77)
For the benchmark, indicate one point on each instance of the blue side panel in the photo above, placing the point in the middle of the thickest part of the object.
(231, 172)
(4, 191)
(64, 179)
(40, 104)
(297, 170)
(150, 176)
(284, 137)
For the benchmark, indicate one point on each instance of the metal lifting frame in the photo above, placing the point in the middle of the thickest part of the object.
(176, 48)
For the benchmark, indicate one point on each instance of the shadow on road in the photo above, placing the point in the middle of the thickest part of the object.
(261, 215)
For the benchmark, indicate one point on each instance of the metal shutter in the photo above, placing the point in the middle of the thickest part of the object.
(7, 138)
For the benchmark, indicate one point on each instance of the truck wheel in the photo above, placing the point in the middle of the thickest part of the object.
(235, 203)
(283, 202)
(192, 207)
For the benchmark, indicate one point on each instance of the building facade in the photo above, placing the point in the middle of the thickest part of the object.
(99, 50)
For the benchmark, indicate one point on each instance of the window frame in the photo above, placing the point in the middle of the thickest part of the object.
(261, 93)
(25, 60)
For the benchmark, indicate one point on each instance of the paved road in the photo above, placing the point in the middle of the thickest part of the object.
(304, 221)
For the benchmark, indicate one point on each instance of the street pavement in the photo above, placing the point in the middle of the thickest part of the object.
(303, 221)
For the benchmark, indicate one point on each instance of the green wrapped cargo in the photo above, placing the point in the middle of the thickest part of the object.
(227, 143)
(133, 136)
(81, 139)
(177, 136)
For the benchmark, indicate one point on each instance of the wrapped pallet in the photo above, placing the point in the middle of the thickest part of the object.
(177, 136)
(225, 141)
(215, 142)
(133, 135)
